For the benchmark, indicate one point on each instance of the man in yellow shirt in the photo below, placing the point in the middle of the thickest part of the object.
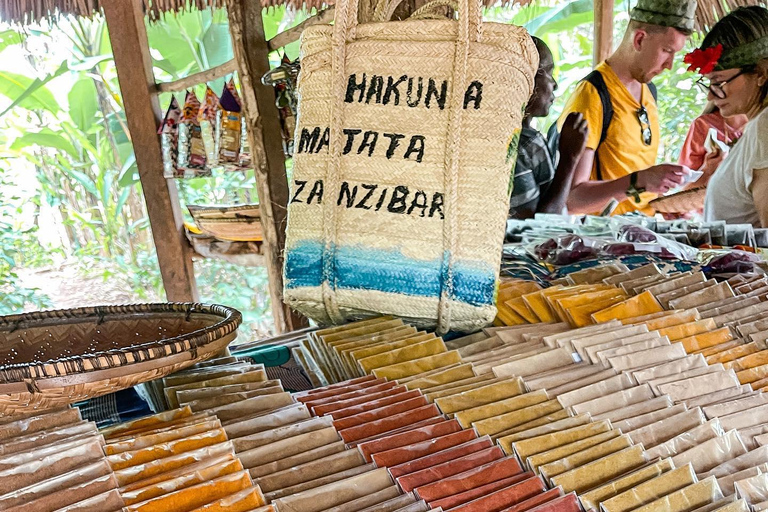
(618, 162)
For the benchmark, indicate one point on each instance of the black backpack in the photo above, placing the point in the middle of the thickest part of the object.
(596, 79)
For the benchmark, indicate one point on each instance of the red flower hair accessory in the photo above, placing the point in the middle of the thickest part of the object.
(704, 61)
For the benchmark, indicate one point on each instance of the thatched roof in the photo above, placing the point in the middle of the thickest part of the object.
(28, 11)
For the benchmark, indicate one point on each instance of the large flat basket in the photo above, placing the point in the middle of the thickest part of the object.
(54, 358)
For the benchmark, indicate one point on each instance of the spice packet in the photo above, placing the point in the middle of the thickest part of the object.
(209, 117)
(191, 154)
(169, 139)
(231, 132)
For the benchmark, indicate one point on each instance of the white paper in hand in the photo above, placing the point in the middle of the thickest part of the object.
(712, 142)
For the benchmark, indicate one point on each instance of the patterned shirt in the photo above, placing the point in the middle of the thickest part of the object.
(534, 172)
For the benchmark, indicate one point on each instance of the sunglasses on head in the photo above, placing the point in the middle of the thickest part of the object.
(645, 126)
(717, 89)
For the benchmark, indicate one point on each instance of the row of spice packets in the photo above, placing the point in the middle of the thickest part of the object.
(632, 433)
(199, 137)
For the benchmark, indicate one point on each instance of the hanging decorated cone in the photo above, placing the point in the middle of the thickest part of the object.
(401, 171)
(208, 117)
(230, 133)
(192, 155)
(169, 139)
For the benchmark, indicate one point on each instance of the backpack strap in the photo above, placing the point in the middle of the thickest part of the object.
(598, 82)
(654, 92)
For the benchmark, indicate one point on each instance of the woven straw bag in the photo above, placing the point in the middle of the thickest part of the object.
(406, 138)
(51, 359)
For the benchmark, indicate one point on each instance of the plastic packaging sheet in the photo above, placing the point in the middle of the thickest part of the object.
(664, 430)
(29, 441)
(582, 344)
(658, 355)
(753, 489)
(604, 356)
(688, 440)
(337, 493)
(601, 470)
(673, 318)
(350, 403)
(258, 439)
(280, 417)
(336, 395)
(700, 385)
(555, 358)
(643, 420)
(124, 460)
(736, 352)
(540, 459)
(749, 361)
(449, 502)
(596, 390)
(382, 425)
(579, 459)
(150, 469)
(296, 460)
(248, 374)
(372, 500)
(15, 459)
(599, 374)
(538, 422)
(320, 481)
(669, 368)
(635, 410)
(497, 470)
(400, 355)
(504, 422)
(750, 459)
(564, 424)
(238, 501)
(459, 386)
(592, 498)
(727, 482)
(565, 339)
(287, 447)
(746, 418)
(179, 479)
(50, 465)
(615, 401)
(399, 430)
(484, 395)
(651, 490)
(440, 456)
(407, 438)
(252, 406)
(420, 449)
(590, 353)
(459, 372)
(719, 504)
(39, 498)
(311, 470)
(382, 412)
(734, 406)
(148, 440)
(720, 396)
(696, 495)
(44, 422)
(109, 500)
(390, 505)
(189, 395)
(705, 370)
(449, 468)
(527, 447)
(205, 404)
(567, 503)
(505, 498)
(418, 366)
(677, 281)
(665, 298)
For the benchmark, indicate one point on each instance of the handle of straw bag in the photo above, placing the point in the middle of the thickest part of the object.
(386, 9)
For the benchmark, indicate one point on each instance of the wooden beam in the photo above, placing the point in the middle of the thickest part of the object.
(293, 34)
(125, 21)
(603, 30)
(198, 78)
(252, 55)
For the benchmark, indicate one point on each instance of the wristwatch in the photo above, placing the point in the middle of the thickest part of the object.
(633, 191)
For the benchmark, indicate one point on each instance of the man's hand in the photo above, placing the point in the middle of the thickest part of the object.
(660, 179)
(573, 137)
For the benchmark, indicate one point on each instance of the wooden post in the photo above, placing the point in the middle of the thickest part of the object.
(125, 21)
(603, 30)
(251, 51)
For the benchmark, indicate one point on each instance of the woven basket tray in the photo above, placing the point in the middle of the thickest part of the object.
(682, 202)
(51, 359)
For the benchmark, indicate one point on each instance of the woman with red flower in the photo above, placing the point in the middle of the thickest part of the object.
(733, 60)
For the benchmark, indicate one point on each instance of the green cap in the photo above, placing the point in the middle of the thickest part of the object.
(679, 14)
